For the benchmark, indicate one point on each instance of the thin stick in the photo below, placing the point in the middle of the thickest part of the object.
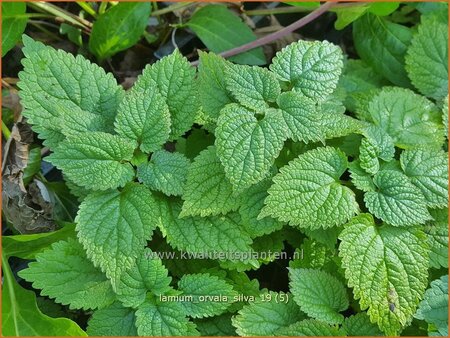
(276, 35)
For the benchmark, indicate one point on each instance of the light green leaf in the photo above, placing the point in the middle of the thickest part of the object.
(21, 315)
(396, 200)
(118, 28)
(174, 76)
(311, 68)
(266, 315)
(319, 294)
(382, 44)
(148, 275)
(360, 178)
(156, 318)
(410, 119)
(211, 296)
(115, 320)
(216, 326)
(113, 227)
(360, 325)
(427, 58)
(65, 274)
(166, 172)
(246, 146)
(207, 190)
(387, 267)
(368, 157)
(253, 87)
(213, 92)
(307, 191)
(14, 22)
(437, 235)
(445, 115)
(309, 327)
(428, 170)
(143, 116)
(220, 30)
(95, 160)
(54, 84)
(434, 306)
(381, 141)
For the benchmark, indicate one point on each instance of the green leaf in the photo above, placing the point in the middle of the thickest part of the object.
(319, 294)
(114, 320)
(266, 315)
(148, 275)
(22, 317)
(383, 44)
(156, 318)
(434, 306)
(65, 274)
(254, 87)
(204, 235)
(55, 84)
(396, 200)
(13, 24)
(119, 28)
(427, 58)
(361, 179)
(246, 146)
(213, 92)
(211, 296)
(27, 246)
(307, 191)
(445, 115)
(428, 171)
(437, 235)
(311, 68)
(309, 327)
(143, 116)
(410, 119)
(360, 325)
(207, 190)
(174, 77)
(387, 269)
(95, 160)
(220, 30)
(252, 201)
(33, 165)
(114, 226)
(166, 172)
(216, 326)
(381, 141)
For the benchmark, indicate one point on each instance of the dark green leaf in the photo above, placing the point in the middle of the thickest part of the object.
(14, 22)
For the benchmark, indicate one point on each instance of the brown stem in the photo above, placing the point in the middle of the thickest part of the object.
(277, 35)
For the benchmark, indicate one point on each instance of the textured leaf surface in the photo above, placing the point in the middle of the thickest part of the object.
(166, 172)
(311, 68)
(220, 30)
(65, 274)
(253, 87)
(154, 318)
(211, 295)
(445, 115)
(382, 44)
(307, 191)
(264, 318)
(407, 117)
(387, 269)
(216, 326)
(52, 79)
(428, 170)
(319, 294)
(427, 58)
(309, 327)
(381, 141)
(437, 234)
(95, 160)
(143, 116)
(360, 325)
(148, 275)
(207, 190)
(115, 320)
(434, 306)
(247, 147)
(360, 178)
(396, 201)
(174, 77)
(213, 92)
(368, 157)
(113, 227)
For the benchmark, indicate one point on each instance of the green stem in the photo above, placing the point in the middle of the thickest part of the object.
(102, 8)
(56, 11)
(28, 15)
(5, 131)
(171, 8)
(87, 8)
